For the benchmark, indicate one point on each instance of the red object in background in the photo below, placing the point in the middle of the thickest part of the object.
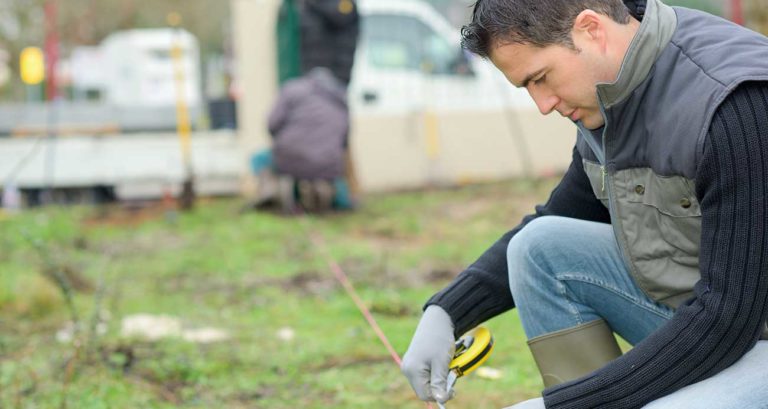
(51, 49)
(737, 14)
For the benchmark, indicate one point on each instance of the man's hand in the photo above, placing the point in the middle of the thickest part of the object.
(425, 364)
(537, 403)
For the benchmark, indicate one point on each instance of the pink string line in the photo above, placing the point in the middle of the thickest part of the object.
(339, 273)
(347, 284)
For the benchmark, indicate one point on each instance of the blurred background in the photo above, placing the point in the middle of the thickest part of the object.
(134, 271)
(101, 80)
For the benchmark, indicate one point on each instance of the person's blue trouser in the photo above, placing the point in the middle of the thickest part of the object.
(565, 272)
(342, 199)
(261, 161)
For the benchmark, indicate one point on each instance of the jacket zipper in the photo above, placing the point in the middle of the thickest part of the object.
(602, 173)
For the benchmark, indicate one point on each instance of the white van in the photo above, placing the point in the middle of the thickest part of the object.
(425, 112)
(409, 57)
(139, 68)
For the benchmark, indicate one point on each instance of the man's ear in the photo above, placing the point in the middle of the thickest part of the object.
(589, 28)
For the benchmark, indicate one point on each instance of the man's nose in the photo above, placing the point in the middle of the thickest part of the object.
(544, 101)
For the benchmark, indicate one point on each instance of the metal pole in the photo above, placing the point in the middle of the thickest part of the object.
(51, 91)
(737, 13)
(51, 49)
(187, 197)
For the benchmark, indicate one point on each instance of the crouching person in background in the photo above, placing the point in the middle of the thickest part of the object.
(309, 124)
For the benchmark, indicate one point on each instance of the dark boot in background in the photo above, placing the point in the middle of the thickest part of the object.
(307, 197)
(324, 193)
(286, 194)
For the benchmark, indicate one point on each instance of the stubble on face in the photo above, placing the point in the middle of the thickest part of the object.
(558, 78)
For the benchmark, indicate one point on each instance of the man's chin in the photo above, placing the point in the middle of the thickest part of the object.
(592, 123)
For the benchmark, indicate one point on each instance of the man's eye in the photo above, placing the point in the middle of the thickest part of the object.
(540, 80)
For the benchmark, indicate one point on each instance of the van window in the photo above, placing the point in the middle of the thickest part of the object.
(160, 54)
(403, 42)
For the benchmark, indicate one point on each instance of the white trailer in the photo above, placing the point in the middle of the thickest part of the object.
(126, 141)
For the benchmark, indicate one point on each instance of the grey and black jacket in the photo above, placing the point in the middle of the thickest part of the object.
(680, 170)
(642, 164)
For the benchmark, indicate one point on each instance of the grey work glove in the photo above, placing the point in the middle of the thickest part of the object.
(537, 403)
(425, 364)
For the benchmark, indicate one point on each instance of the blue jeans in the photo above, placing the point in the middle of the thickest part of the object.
(565, 272)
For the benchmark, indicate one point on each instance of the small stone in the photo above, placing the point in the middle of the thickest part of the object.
(205, 335)
(286, 334)
(487, 372)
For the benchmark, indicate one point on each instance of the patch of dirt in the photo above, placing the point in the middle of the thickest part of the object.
(262, 392)
(309, 283)
(127, 358)
(169, 391)
(461, 212)
(120, 357)
(68, 276)
(392, 310)
(381, 275)
(440, 275)
(128, 214)
(347, 361)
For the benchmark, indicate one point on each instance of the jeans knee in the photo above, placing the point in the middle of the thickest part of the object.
(538, 234)
(529, 247)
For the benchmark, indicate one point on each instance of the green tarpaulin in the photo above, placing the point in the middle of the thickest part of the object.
(288, 42)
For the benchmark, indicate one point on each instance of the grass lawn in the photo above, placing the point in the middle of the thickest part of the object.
(295, 339)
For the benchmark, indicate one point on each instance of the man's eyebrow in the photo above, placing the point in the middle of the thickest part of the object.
(530, 76)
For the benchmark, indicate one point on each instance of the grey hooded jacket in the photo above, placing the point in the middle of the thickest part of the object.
(309, 123)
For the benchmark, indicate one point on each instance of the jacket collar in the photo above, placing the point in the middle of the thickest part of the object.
(652, 37)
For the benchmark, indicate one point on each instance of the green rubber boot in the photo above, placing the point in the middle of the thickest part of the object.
(573, 352)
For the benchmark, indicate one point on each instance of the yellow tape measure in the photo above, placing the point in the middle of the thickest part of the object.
(472, 350)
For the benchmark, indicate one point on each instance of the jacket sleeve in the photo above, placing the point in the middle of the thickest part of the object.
(278, 115)
(726, 315)
(482, 290)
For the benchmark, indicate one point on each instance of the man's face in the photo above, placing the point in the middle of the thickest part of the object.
(558, 78)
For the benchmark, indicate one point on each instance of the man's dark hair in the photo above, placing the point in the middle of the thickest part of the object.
(535, 22)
